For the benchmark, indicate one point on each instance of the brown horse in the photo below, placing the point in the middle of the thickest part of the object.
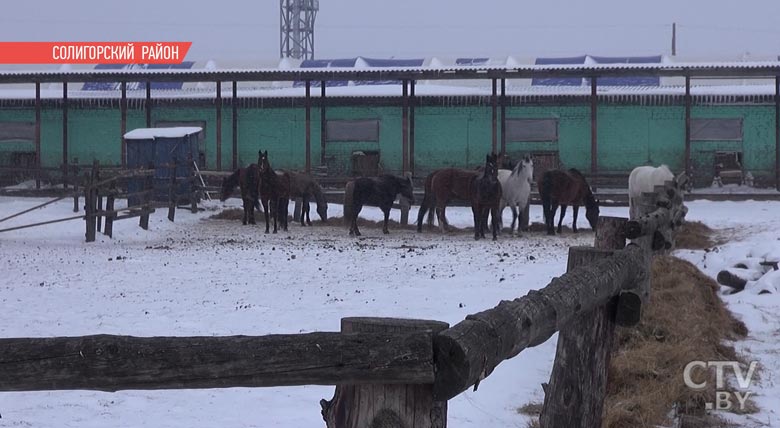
(274, 191)
(303, 186)
(559, 187)
(249, 180)
(443, 185)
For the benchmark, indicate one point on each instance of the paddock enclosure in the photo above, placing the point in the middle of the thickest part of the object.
(709, 119)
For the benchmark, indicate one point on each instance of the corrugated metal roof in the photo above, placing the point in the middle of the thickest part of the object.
(714, 69)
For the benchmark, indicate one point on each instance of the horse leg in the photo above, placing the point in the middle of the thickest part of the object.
(386, 211)
(560, 220)
(514, 220)
(550, 219)
(265, 213)
(477, 221)
(496, 221)
(576, 209)
(252, 212)
(244, 218)
(440, 216)
(356, 210)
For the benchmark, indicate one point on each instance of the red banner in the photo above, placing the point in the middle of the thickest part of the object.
(93, 52)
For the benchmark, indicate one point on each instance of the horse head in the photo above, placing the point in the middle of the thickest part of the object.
(228, 184)
(322, 210)
(227, 189)
(262, 161)
(491, 166)
(592, 210)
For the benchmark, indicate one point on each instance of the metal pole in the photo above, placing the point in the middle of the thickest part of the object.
(412, 101)
(503, 118)
(323, 123)
(308, 126)
(219, 126)
(235, 125)
(777, 132)
(494, 107)
(38, 134)
(405, 127)
(65, 133)
(123, 122)
(688, 126)
(148, 104)
(594, 147)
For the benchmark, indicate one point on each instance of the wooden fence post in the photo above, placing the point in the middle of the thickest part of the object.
(98, 197)
(575, 395)
(109, 229)
(90, 201)
(143, 220)
(193, 189)
(173, 197)
(385, 405)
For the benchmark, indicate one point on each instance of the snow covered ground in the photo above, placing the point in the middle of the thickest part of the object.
(201, 276)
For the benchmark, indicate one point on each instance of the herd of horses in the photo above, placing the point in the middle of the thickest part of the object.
(488, 189)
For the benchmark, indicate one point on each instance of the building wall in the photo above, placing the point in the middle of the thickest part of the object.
(628, 135)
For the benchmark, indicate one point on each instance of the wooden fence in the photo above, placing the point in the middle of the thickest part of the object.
(396, 372)
(105, 185)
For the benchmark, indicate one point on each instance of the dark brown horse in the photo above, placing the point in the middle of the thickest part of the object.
(559, 187)
(375, 191)
(274, 192)
(443, 185)
(303, 186)
(486, 198)
(249, 180)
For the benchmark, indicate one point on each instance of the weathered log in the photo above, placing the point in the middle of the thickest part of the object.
(469, 351)
(731, 280)
(113, 363)
(647, 224)
(385, 405)
(648, 219)
(575, 394)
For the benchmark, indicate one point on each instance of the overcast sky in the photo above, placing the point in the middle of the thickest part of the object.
(249, 29)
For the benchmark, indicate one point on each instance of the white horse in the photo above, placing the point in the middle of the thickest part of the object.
(515, 190)
(644, 179)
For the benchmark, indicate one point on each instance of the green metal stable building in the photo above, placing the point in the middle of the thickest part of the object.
(603, 131)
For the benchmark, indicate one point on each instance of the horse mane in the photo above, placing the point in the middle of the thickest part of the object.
(229, 183)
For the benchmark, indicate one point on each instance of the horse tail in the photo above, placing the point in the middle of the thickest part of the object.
(349, 197)
(426, 203)
(545, 193)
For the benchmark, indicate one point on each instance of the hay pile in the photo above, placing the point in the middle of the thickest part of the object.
(685, 321)
(695, 235)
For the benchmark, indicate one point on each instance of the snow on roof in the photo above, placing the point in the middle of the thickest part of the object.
(151, 133)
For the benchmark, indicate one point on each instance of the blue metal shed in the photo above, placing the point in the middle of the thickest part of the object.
(161, 147)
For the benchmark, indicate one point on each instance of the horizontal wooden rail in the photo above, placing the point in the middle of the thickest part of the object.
(469, 351)
(113, 363)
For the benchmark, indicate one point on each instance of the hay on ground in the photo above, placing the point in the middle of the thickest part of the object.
(695, 235)
(685, 321)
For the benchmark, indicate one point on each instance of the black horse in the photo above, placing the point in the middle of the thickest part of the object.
(249, 180)
(486, 197)
(375, 191)
(274, 192)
